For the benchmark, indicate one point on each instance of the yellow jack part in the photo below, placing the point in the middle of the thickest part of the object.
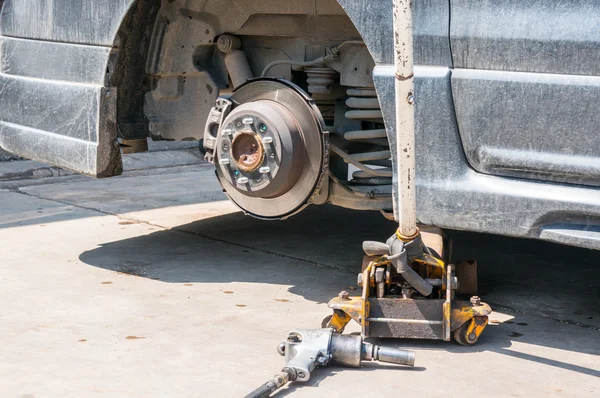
(388, 307)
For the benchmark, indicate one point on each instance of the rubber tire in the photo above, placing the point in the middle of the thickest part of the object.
(460, 336)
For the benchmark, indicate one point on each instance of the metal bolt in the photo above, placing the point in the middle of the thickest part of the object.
(410, 99)
(344, 295)
(227, 132)
(472, 336)
(475, 301)
(224, 161)
(267, 140)
(265, 170)
(281, 348)
(323, 361)
(301, 375)
(247, 120)
(294, 337)
(242, 180)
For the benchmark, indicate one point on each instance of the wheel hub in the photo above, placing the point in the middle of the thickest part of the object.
(247, 150)
(270, 149)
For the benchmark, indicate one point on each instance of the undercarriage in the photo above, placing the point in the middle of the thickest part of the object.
(313, 135)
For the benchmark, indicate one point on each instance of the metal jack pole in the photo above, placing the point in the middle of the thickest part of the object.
(406, 206)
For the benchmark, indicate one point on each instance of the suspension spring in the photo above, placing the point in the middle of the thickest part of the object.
(363, 106)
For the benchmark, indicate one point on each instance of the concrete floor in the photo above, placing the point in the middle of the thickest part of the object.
(153, 285)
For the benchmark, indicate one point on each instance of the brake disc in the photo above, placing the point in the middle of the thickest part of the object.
(271, 149)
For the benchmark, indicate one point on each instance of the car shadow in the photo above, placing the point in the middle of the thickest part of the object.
(318, 253)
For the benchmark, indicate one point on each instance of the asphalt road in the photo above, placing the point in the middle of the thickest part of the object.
(153, 285)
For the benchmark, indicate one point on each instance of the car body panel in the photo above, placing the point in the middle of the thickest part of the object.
(431, 19)
(56, 104)
(92, 22)
(68, 120)
(526, 87)
(558, 36)
(537, 126)
(452, 195)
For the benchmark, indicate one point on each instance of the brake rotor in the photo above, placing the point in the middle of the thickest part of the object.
(270, 149)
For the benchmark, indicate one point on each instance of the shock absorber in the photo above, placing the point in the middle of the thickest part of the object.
(364, 106)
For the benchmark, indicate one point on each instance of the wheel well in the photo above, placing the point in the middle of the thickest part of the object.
(127, 67)
(168, 71)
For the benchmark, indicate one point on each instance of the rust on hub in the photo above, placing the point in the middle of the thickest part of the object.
(247, 151)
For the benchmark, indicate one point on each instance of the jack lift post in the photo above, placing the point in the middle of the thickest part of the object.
(407, 288)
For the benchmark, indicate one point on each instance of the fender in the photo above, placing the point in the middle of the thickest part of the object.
(58, 105)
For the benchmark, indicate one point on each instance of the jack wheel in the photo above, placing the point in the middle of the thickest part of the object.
(461, 337)
(326, 324)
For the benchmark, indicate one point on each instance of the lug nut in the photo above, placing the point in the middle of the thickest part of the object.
(247, 120)
(227, 132)
(224, 161)
(242, 180)
(267, 140)
(265, 170)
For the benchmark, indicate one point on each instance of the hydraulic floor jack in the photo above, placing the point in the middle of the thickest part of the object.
(408, 292)
(407, 287)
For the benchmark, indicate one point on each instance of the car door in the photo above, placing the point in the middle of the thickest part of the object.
(526, 87)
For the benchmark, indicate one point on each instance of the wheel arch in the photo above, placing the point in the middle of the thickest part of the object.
(153, 47)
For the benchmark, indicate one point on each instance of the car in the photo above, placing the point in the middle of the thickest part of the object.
(294, 101)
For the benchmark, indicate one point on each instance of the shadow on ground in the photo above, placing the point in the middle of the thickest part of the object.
(555, 281)
(318, 253)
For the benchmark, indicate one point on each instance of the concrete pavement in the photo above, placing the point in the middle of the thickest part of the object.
(152, 284)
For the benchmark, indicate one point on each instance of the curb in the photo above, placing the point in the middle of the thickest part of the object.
(29, 169)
